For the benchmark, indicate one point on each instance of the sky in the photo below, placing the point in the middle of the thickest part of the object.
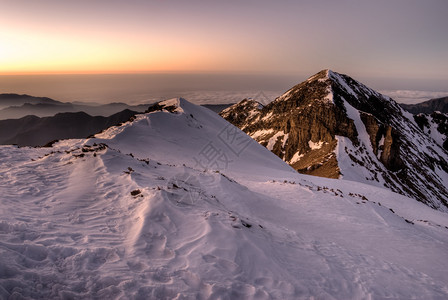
(393, 44)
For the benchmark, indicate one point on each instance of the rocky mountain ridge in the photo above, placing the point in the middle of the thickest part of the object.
(333, 126)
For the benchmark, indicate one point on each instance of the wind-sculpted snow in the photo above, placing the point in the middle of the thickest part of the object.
(145, 211)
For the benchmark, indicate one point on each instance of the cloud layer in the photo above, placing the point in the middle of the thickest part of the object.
(413, 97)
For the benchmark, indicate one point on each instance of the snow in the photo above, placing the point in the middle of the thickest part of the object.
(296, 157)
(315, 146)
(173, 102)
(438, 137)
(141, 219)
(329, 96)
(354, 114)
(369, 172)
(442, 175)
(348, 168)
(273, 140)
(285, 139)
(380, 144)
(116, 130)
(342, 83)
(432, 145)
(261, 133)
(409, 116)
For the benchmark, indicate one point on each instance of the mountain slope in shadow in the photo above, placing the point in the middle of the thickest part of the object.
(35, 131)
(428, 107)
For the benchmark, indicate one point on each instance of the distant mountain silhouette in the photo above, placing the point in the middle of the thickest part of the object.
(18, 100)
(35, 131)
(217, 108)
(14, 106)
(428, 107)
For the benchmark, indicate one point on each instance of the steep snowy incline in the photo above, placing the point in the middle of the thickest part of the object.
(196, 137)
(435, 125)
(137, 213)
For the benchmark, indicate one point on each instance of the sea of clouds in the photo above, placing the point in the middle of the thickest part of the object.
(413, 97)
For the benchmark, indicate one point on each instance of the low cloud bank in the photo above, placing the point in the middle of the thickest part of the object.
(413, 97)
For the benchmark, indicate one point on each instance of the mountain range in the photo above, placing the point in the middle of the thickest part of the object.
(428, 107)
(14, 106)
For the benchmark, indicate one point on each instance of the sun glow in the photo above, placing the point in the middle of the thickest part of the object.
(25, 53)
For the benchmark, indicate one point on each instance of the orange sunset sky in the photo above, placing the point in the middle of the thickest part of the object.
(393, 39)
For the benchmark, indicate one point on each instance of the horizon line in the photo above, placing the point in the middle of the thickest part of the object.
(205, 72)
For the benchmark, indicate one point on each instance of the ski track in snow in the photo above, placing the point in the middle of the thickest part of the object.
(71, 228)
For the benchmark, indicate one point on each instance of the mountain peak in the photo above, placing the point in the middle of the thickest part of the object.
(323, 75)
(316, 88)
(330, 87)
(320, 76)
(323, 85)
(171, 105)
(334, 126)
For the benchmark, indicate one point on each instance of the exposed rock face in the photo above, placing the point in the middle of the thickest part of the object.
(333, 126)
(295, 125)
(385, 142)
(243, 112)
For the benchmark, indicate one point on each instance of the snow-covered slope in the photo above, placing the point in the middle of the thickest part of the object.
(178, 204)
(435, 125)
(334, 126)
